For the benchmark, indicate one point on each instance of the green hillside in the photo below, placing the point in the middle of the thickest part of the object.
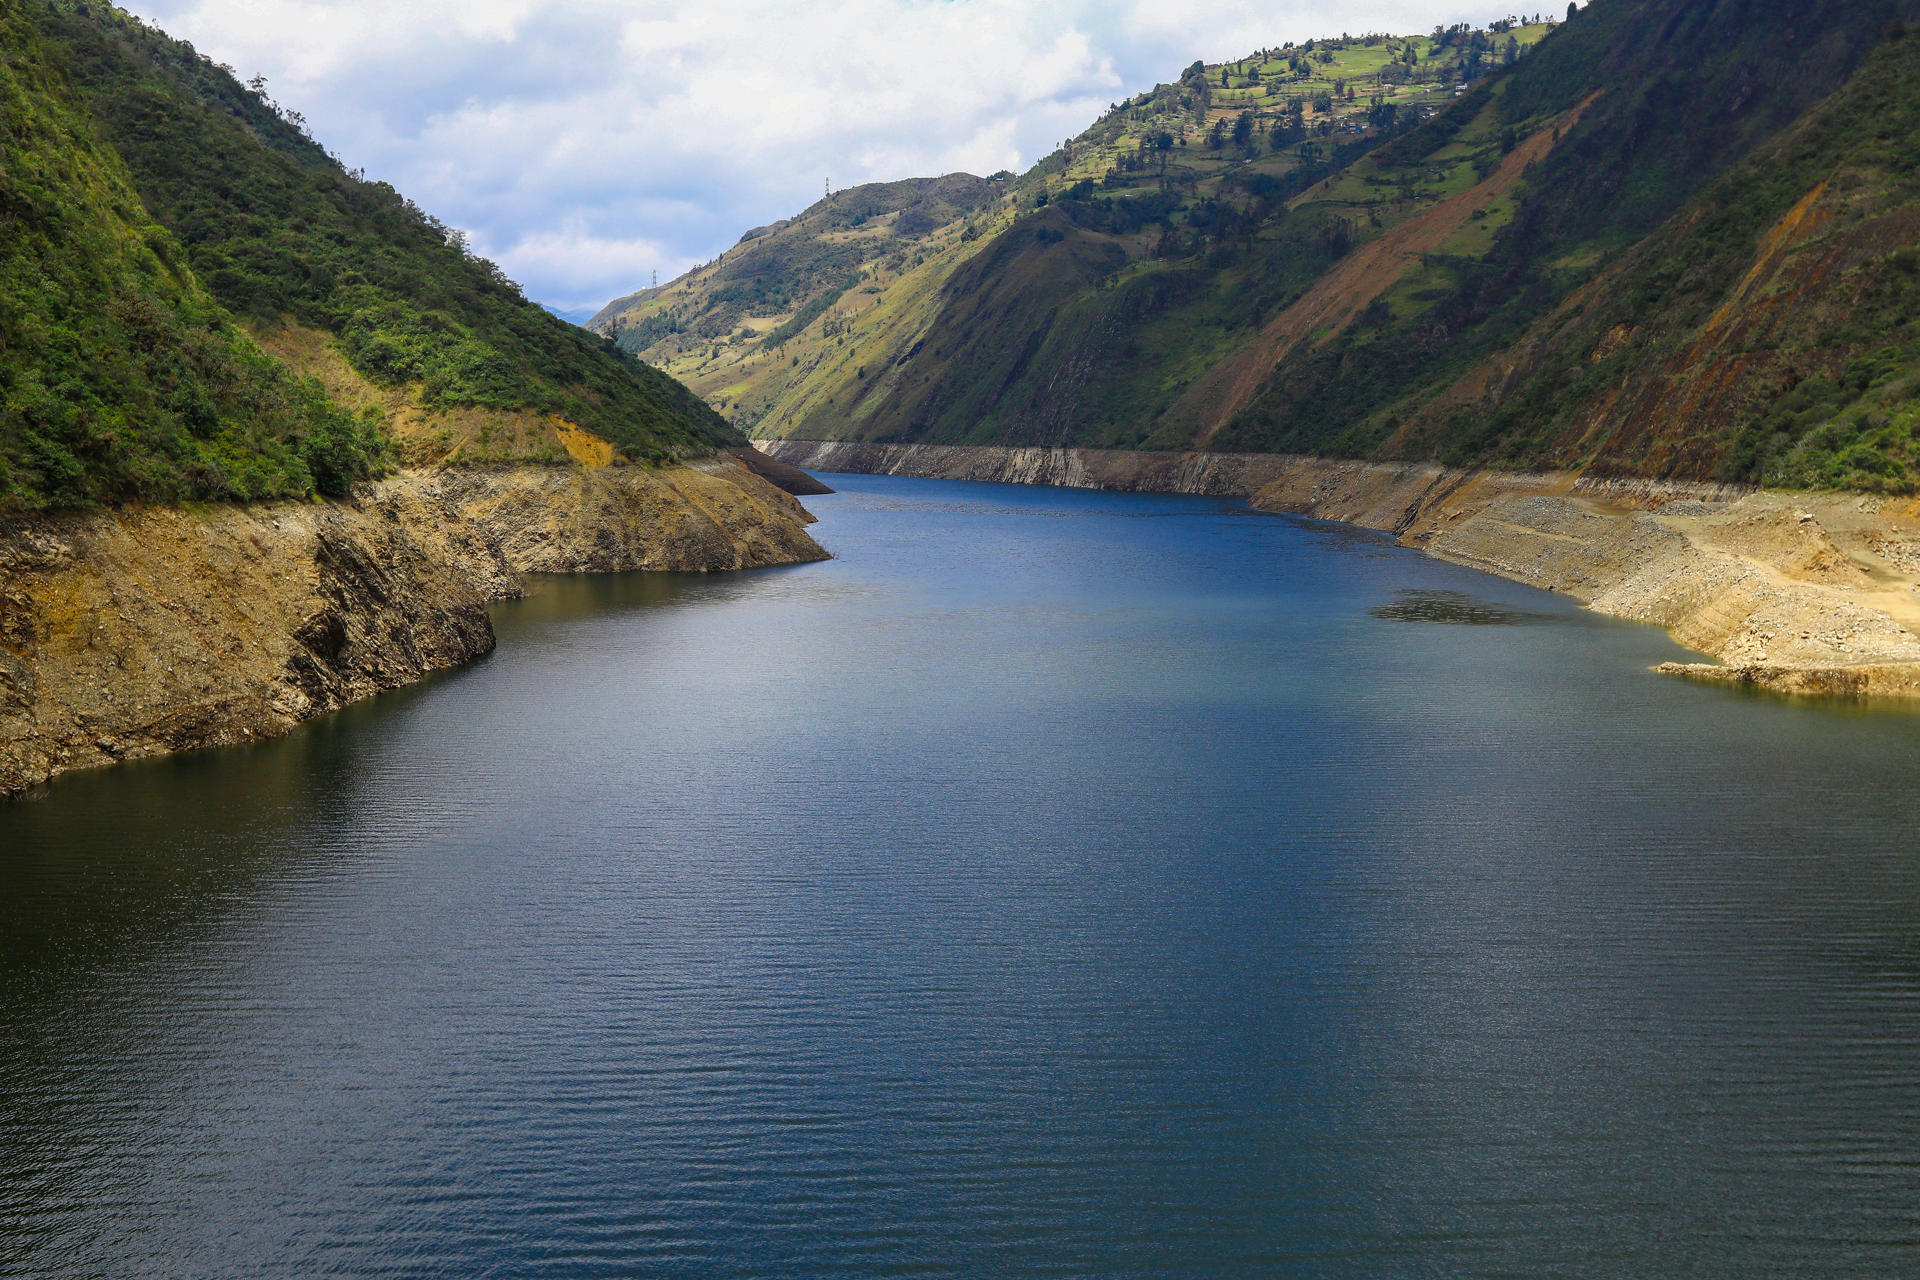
(1770, 331)
(197, 302)
(278, 230)
(120, 378)
(1325, 320)
(1638, 106)
(773, 340)
(1663, 237)
(793, 270)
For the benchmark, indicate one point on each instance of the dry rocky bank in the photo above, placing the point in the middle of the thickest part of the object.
(141, 631)
(1793, 592)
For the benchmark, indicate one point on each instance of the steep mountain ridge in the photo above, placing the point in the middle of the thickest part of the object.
(1771, 331)
(1586, 256)
(1169, 167)
(121, 378)
(201, 313)
(280, 232)
(1685, 93)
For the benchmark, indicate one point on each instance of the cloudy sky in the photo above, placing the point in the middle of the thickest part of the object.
(586, 143)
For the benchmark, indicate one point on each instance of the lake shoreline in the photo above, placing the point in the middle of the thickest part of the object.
(1797, 593)
(135, 632)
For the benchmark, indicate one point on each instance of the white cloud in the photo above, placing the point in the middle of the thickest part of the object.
(585, 143)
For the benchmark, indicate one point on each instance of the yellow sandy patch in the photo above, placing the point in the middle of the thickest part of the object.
(586, 448)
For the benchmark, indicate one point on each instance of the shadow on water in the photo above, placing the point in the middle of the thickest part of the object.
(106, 865)
(101, 866)
(563, 598)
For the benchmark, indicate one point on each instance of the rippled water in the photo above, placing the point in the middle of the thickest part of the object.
(1054, 884)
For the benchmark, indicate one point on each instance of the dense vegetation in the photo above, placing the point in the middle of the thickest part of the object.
(1675, 94)
(120, 378)
(275, 227)
(153, 206)
(1785, 299)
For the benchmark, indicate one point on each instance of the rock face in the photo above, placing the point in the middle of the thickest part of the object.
(1797, 593)
(779, 474)
(705, 516)
(137, 632)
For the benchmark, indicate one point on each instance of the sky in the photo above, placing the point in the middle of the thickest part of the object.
(585, 144)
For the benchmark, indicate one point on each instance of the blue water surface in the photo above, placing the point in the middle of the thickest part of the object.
(1053, 884)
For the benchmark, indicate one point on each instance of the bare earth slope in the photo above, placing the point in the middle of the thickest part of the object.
(131, 633)
(135, 632)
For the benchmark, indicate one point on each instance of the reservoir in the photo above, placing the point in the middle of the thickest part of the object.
(1055, 883)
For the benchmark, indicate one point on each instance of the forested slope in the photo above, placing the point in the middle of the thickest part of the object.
(120, 377)
(1770, 331)
(198, 302)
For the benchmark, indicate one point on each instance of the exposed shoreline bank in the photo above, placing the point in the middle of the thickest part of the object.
(1796, 593)
(137, 632)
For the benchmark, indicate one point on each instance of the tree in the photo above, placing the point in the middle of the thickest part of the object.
(1243, 130)
(1217, 135)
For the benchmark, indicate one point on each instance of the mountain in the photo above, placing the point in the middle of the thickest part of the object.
(1662, 237)
(200, 302)
(779, 279)
(775, 341)
(1768, 331)
(120, 376)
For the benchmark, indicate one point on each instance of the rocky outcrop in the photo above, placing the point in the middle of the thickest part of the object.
(779, 474)
(700, 517)
(138, 632)
(1222, 474)
(141, 631)
(1797, 593)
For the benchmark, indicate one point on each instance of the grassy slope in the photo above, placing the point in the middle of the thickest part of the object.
(1438, 251)
(1676, 92)
(120, 378)
(1214, 248)
(832, 369)
(1770, 332)
(1646, 247)
(277, 230)
(747, 328)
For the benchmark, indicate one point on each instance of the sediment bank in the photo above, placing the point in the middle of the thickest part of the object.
(136, 632)
(703, 517)
(1797, 593)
